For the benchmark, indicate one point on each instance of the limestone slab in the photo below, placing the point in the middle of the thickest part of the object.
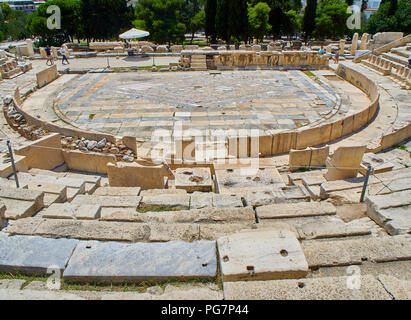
(354, 251)
(227, 201)
(11, 284)
(261, 255)
(108, 201)
(72, 211)
(327, 288)
(117, 191)
(193, 179)
(116, 262)
(400, 289)
(201, 200)
(6, 294)
(34, 254)
(166, 201)
(155, 192)
(17, 209)
(290, 210)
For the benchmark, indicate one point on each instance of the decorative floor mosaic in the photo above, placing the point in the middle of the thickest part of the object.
(136, 104)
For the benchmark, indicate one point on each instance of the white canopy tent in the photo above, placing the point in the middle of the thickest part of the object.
(134, 34)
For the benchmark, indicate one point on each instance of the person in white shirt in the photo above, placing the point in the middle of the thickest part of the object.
(63, 53)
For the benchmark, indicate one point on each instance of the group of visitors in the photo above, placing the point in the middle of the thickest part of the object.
(63, 51)
(336, 56)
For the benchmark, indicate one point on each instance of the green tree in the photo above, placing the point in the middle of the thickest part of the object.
(197, 22)
(231, 19)
(331, 19)
(160, 18)
(295, 21)
(70, 22)
(210, 10)
(383, 20)
(12, 23)
(258, 17)
(104, 19)
(309, 18)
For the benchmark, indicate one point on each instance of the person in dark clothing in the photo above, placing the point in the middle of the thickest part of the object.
(49, 57)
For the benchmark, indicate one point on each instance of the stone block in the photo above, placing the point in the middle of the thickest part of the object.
(72, 211)
(291, 210)
(88, 161)
(299, 159)
(201, 200)
(327, 288)
(319, 156)
(114, 262)
(226, 201)
(117, 191)
(261, 255)
(46, 76)
(344, 163)
(108, 201)
(193, 179)
(34, 254)
(165, 201)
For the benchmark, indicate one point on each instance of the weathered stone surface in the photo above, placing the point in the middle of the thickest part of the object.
(311, 180)
(301, 209)
(11, 284)
(72, 211)
(330, 288)
(6, 294)
(17, 209)
(261, 255)
(34, 254)
(66, 181)
(121, 214)
(116, 262)
(166, 201)
(354, 251)
(156, 192)
(214, 231)
(399, 289)
(201, 200)
(163, 232)
(80, 229)
(226, 201)
(21, 194)
(117, 191)
(108, 201)
(344, 163)
(193, 179)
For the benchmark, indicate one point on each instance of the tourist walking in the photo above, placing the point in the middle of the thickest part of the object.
(49, 57)
(64, 53)
(337, 56)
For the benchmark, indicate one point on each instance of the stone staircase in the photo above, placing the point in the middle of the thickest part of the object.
(393, 63)
(198, 62)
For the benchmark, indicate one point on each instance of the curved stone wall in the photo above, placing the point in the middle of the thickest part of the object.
(268, 144)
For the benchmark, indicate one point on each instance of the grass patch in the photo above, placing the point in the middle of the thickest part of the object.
(109, 287)
(402, 147)
(199, 43)
(302, 169)
(156, 209)
(150, 67)
(309, 73)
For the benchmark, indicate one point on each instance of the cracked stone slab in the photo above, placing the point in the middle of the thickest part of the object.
(327, 288)
(166, 201)
(117, 191)
(261, 255)
(116, 262)
(226, 201)
(34, 254)
(201, 200)
(108, 201)
(72, 211)
(399, 289)
(290, 210)
(354, 251)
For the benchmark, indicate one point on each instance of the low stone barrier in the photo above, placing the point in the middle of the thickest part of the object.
(46, 76)
(44, 153)
(88, 161)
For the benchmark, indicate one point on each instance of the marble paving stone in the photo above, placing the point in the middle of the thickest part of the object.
(116, 262)
(327, 288)
(108, 201)
(290, 210)
(264, 254)
(34, 254)
(117, 191)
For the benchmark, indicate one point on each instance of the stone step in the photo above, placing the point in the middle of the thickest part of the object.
(34, 254)
(395, 58)
(291, 210)
(113, 262)
(328, 288)
(21, 203)
(401, 51)
(108, 201)
(86, 177)
(261, 255)
(155, 192)
(354, 251)
(117, 191)
(122, 231)
(208, 215)
(159, 202)
(6, 183)
(323, 227)
(391, 211)
(41, 178)
(71, 211)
